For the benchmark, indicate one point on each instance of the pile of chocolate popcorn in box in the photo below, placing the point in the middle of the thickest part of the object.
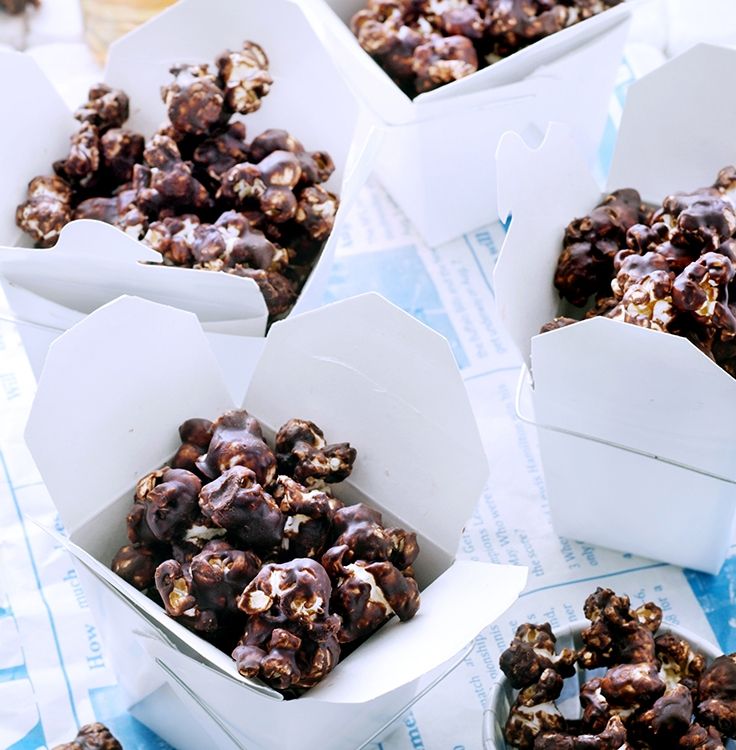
(670, 269)
(423, 44)
(646, 691)
(248, 547)
(196, 191)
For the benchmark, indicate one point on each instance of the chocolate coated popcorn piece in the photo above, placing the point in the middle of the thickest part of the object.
(667, 720)
(120, 210)
(297, 591)
(83, 160)
(167, 180)
(591, 244)
(237, 502)
(171, 504)
(705, 224)
(222, 150)
(316, 210)
(92, 737)
(534, 712)
(46, 210)
(269, 185)
(136, 564)
(557, 323)
(121, 149)
(701, 738)
(361, 530)
(616, 631)
(378, 26)
(632, 684)
(237, 440)
(307, 518)
(247, 246)
(220, 573)
(442, 60)
(366, 594)
(456, 17)
(702, 290)
(277, 290)
(717, 695)
(531, 652)
(316, 166)
(284, 655)
(195, 435)
(679, 662)
(245, 77)
(105, 108)
(194, 100)
(613, 737)
(303, 453)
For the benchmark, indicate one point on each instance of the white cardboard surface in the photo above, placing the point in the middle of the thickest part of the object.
(119, 426)
(651, 150)
(437, 159)
(608, 380)
(306, 85)
(372, 375)
(94, 263)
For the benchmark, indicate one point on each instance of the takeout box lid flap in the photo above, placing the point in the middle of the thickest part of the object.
(93, 263)
(541, 189)
(308, 96)
(114, 388)
(368, 373)
(677, 126)
(34, 135)
(624, 385)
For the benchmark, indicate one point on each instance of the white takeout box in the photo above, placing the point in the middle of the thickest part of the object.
(365, 372)
(437, 154)
(93, 263)
(637, 427)
(308, 98)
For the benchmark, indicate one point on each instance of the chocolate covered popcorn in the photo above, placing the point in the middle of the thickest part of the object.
(249, 547)
(423, 44)
(669, 268)
(197, 191)
(637, 690)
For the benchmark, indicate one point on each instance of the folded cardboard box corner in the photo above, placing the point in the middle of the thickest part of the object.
(638, 435)
(437, 155)
(308, 98)
(365, 372)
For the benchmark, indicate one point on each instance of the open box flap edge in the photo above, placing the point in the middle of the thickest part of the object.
(33, 136)
(367, 372)
(146, 369)
(93, 263)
